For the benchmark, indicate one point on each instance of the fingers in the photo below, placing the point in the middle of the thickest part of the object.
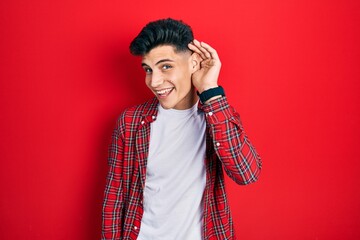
(203, 49)
(204, 52)
(195, 46)
(210, 50)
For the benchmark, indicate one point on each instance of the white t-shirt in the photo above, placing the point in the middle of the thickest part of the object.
(175, 176)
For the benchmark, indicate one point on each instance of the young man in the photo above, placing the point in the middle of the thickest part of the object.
(168, 154)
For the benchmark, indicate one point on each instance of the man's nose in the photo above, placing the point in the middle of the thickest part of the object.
(156, 79)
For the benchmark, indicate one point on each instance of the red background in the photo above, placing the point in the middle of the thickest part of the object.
(291, 68)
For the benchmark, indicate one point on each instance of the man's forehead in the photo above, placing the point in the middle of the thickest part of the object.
(163, 52)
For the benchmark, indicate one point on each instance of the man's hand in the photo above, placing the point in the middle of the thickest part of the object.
(206, 76)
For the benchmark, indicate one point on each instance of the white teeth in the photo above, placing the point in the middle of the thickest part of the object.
(164, 91)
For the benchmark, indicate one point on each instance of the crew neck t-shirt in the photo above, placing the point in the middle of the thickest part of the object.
(175, 176)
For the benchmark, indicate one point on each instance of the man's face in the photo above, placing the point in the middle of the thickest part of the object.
(168, 76)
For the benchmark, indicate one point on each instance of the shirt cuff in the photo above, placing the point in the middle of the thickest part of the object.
(217, 110)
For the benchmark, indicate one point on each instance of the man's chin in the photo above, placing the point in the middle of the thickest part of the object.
(165, 106)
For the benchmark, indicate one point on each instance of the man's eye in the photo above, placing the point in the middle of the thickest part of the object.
(165, 67)
(147, 70)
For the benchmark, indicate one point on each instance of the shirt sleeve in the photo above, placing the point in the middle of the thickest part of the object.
(232, 146)
(113, 197)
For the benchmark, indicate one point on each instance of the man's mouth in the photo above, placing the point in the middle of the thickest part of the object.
(164, 92)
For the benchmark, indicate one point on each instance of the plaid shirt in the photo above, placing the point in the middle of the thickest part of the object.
(227, 147)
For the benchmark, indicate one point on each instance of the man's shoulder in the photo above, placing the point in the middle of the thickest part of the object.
(146, 108)
(135, 114)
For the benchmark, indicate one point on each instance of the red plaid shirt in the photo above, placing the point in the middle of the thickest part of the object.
(227, 147)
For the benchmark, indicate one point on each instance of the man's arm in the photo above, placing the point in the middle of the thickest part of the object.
(234, 149)
(239, 157)
(113, 197)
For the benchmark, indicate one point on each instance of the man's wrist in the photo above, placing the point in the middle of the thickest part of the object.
(205, 88)
(211, 94)
(213, 98)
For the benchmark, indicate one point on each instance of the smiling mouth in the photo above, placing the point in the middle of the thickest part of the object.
(164, 92)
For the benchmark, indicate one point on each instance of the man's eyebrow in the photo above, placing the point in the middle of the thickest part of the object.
(161, 61)
(164, 60)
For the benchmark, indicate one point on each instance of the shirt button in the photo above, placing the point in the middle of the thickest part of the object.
(210, 113)
(135, 227)
(153, 117)
(142, 122)
(217, 144)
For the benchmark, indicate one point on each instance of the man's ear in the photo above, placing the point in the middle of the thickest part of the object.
(195, 61)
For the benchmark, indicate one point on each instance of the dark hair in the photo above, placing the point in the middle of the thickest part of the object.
(162, 32)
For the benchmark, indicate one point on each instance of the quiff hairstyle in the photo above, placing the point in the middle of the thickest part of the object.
(168, 31)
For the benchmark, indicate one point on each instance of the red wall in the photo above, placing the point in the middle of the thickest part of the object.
(291, 68)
